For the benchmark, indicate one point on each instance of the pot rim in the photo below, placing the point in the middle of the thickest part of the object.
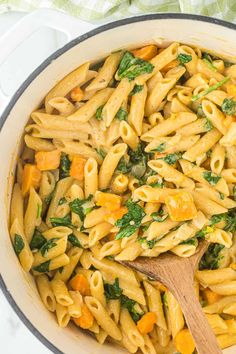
(37, 71)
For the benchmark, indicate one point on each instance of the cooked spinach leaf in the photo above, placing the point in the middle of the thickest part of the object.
(74, 241)
(102, 153)
(131, 221)
(200, 112)
(149, 243)
(184, 58)
(157, 184)
(124, 166)
(43, 267)
(171, 159)
(229, 106)
(130, 67)
(65, 221)
(122, 114)
(98, 114)
(64, 169)
(38, 240)
(228, 218)
(191, 241)
(208, 125)
(211, 258)
(113, 291)
(77, 206)
(222, 196)
(136, 89)
(211, 177)
(47, 246)
(129, 304)
(18, 244)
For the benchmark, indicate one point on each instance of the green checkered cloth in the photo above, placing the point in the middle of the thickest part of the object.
(98, 10)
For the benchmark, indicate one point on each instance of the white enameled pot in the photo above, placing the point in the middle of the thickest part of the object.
(19, 287)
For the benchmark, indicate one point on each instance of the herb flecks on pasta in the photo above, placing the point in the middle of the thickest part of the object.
(131, 157)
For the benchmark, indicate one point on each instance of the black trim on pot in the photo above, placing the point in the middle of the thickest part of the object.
(41, 67)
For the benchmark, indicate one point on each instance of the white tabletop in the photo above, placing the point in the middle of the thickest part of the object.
(14, 336)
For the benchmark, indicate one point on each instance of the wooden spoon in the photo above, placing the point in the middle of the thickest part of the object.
(177, 274)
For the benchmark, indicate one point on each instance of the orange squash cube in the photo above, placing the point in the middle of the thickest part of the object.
(115, 215)
(48, 160)
(184, 342)
(108, 200)
(181, 206)
(146, 323)
(77, 94)
(77, 167)
(31, 178)
(145, 53)
(81, 284)
(86, 319)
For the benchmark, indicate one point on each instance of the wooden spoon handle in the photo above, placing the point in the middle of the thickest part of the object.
(201, 331)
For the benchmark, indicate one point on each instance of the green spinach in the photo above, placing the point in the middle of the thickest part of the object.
(229, 106)
(184, 58)
(65, 221)
(130, 67)
(18, 244)
(98, 114)
(122, 114)
(43, 267)
(211, 177)
(38, 240)
(131, 221)
(77, 206)
(64, 169)
(47, 246)
(211, 258)
(74, 241)
(136, 89)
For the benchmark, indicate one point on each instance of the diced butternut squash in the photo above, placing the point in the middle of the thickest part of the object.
(31, 178)
(77, 168)
(86, 319)
(169, 66)
(184, 342)
(146, 323)
(108, 200)
(81, 284)
(113, 216)
(145, 53)
(231, 90)
(77, 94)
(210, 296)
(181, 206)
(48, 160)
